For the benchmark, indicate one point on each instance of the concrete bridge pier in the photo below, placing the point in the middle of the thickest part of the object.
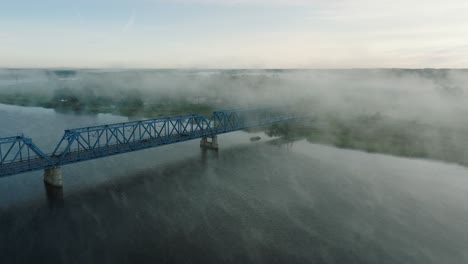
(213, 144)
(53, 176)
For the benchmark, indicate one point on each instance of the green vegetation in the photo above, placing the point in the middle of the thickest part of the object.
(25, 100)
(377, 134)
(129, 104)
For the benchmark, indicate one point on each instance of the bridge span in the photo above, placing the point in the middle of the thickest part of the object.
(18, 154)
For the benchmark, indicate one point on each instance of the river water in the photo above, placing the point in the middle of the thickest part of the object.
(260, 202)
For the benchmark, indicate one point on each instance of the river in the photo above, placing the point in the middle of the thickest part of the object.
(250, 202)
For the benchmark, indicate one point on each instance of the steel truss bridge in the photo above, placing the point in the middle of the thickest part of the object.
(18, 154)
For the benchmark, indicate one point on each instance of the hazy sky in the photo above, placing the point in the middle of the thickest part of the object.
(234, 33)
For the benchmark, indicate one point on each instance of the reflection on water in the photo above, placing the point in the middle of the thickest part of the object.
(54, 196)
(247, 203)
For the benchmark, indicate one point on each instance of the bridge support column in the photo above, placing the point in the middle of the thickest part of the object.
(53, 176)
(213, 144)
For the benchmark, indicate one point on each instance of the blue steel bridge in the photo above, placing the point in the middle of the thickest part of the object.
(18, 154)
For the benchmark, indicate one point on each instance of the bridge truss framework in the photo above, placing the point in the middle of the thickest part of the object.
(19, 154)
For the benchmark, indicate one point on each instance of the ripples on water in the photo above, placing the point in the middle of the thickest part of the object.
(261, 202)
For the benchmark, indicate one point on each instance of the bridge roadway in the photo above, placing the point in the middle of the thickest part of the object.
(19, 154)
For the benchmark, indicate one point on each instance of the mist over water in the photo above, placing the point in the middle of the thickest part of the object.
(437, 97)
(272, 201)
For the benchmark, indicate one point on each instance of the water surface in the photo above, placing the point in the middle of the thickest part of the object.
(261, 202)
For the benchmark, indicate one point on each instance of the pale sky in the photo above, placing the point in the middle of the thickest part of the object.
(234, 33)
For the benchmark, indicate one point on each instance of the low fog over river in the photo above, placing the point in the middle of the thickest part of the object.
(272, 201)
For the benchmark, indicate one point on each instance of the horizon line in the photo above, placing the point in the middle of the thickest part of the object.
(225, 69)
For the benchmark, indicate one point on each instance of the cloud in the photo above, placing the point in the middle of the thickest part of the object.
(78, 15)
(248, 34)
(130, 22)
